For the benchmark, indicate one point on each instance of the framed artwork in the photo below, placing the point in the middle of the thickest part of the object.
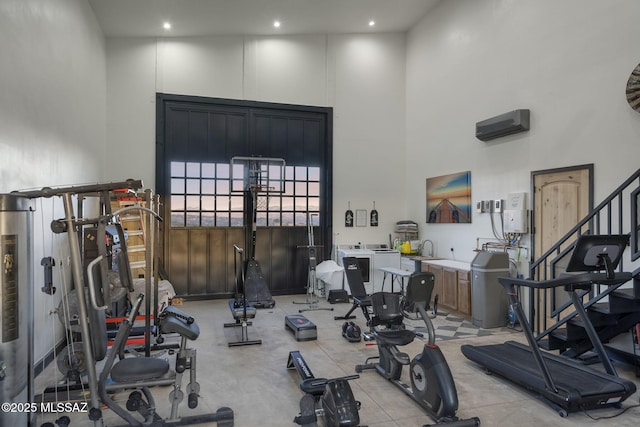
(361, 217)
(449, 198)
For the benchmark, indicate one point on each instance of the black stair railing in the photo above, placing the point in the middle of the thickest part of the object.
(617, 214)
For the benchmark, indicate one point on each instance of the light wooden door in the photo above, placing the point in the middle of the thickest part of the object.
(562, 197)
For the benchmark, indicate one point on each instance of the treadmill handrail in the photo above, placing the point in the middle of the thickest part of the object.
(568, 280)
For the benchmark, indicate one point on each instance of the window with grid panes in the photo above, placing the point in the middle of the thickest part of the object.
(203, 195)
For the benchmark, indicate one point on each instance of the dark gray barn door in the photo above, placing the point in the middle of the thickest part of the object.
(197, 247)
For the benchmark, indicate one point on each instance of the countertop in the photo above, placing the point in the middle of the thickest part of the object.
(450, 263)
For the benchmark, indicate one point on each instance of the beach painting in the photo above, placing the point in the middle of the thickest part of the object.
(449, 198)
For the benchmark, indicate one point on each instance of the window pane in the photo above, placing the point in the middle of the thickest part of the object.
(193, 186)
(208, 170)
(193, 203)
(177, 186)
(193, 170)
(274, 203)
(274, 219)
(288, 188)
(314, 204)
(222, 220)
(236, 219)
(177, 169)
(301, 188)
(222, 170)
(208, 186)
(301, 219)
(301, 204)
(287, 219)
(288, 172)
(301, 173)
(193, 219)
(208, 203)
(237, 204)
(238, 185)
(287, 203)
(261, 219)
(237, 172)
(314, 174)
(222, 187)
(177, 203)
(208, 219)
(222, 203)
(314, 188)
(177, 219)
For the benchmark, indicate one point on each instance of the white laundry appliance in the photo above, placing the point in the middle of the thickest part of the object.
(383, 256)
(365, 262)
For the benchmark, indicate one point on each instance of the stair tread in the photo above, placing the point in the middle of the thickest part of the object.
(626, 293)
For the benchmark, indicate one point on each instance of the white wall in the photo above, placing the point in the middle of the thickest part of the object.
(52, 122)
(568, 62)
(361, 76)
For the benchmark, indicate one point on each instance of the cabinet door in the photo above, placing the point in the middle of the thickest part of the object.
(450, 288)
(464, 292)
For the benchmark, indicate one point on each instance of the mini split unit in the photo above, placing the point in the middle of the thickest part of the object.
(505, 124)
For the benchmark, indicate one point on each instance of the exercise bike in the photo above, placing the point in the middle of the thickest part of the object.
(432, 385)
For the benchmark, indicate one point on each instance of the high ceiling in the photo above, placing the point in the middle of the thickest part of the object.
(144, 18)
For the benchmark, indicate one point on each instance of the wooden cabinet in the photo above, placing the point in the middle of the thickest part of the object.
(452, 284)
(449, 296)
(464, 292)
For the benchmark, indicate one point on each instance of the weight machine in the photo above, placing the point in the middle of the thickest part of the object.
(94, 302)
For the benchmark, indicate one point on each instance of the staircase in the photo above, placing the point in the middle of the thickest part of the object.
(134, 223)
(613, 310)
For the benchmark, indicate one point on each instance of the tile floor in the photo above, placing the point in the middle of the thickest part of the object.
(254, 381)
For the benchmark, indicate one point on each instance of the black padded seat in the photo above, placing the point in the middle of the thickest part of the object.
(139, 369)
(174, 321)
(313, 386)
(396, 336)
(238, 311)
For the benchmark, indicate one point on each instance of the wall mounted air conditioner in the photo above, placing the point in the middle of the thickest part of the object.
(505, 124)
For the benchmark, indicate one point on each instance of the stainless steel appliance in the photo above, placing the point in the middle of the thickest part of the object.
(16, 308)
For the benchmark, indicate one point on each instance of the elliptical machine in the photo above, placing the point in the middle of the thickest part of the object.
(432, 385)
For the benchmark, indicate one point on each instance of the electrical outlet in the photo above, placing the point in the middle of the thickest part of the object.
(479, 206)
(497, 205)
(486, 206)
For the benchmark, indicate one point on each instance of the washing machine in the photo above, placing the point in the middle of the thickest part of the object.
(383, 256)
(365, 262)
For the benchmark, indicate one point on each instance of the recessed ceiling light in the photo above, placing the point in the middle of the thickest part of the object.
(372, 23)
(166, 25)
(276, 24)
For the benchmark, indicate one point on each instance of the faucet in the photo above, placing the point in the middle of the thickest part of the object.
(421, 247)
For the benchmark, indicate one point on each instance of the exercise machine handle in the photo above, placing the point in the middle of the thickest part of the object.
(431, 340)
(135, 309)
(139, 208)
(92, 288)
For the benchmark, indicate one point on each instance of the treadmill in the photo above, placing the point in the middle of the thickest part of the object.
(564, 384)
